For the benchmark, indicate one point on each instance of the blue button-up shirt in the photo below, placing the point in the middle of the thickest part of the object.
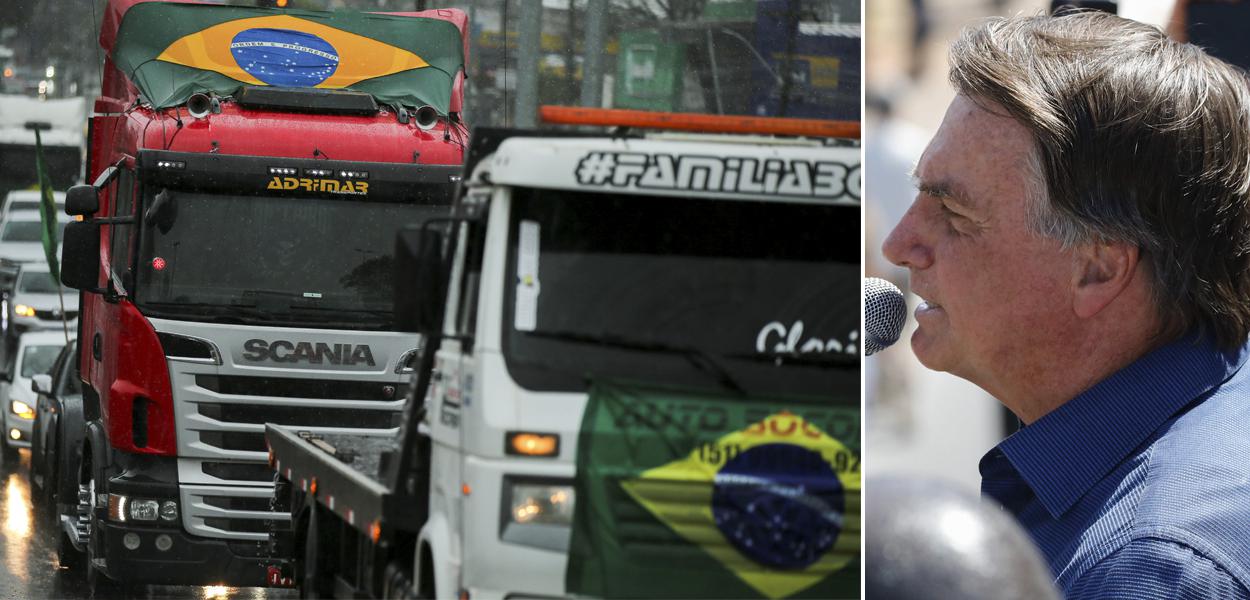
(1139, 488)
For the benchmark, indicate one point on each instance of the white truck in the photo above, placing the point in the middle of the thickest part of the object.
(639, 378)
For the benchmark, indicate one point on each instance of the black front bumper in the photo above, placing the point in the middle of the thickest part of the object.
(190, 560)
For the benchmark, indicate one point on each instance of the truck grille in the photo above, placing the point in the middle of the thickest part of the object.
(300, 416)
(258, 504)
(284, 387)
(204, 515)
(222, 408)
(247, 442)
(240, 525)
(237, 471)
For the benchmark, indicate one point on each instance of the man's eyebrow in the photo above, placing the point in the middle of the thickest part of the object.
(945, 190)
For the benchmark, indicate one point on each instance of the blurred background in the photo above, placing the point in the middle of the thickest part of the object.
(794, 58)
(920, 422)
(787, 58)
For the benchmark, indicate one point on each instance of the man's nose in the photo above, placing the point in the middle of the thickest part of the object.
(905, 245)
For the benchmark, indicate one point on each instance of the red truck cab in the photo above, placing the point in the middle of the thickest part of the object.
(250, 168)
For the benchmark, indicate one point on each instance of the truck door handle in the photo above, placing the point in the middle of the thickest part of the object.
(96, 344)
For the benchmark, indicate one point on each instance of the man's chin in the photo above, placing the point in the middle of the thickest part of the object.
(928, 350)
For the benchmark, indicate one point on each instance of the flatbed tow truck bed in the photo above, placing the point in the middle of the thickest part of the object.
(343, 472)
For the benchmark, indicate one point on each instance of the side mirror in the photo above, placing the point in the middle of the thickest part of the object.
(41, 383)
(420, 280)
(82, 200)
(6, 377)
(80, 256)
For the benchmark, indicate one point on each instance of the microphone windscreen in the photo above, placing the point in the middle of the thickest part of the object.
(885, 310)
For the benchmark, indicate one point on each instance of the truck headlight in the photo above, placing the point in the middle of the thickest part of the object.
(144, 510)
(22, 310)
(538, 513)
(124, 508)
(535, 503)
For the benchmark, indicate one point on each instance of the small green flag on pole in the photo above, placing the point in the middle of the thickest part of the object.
(47, 215)
(47, 211)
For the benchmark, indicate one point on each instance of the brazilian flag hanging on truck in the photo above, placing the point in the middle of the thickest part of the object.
(173, 50)
(696, 495)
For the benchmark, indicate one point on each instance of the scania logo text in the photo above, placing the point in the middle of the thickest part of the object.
(315, 353)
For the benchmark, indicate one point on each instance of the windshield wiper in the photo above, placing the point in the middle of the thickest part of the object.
(698, 358)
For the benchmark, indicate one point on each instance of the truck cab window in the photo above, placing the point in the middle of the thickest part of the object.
(121, 235)
(466, 311)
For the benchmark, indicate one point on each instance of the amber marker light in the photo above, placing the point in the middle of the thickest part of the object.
(375, 531)
(528, 443)
(312, 487)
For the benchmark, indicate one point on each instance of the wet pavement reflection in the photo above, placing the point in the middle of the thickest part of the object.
(29, 566)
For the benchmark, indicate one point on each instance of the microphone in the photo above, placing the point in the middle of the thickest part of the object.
(927, 538)
(885, 310)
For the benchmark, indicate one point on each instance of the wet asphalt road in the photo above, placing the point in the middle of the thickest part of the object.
(28, 565)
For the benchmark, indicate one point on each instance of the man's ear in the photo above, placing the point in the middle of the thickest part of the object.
(1103, 272)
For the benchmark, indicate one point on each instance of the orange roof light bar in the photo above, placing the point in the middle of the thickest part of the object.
(695, 122)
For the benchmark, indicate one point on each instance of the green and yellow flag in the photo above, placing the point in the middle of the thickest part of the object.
(47, 211)
(171, 51)
(696, 495)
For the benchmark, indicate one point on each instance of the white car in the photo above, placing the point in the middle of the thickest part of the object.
(21, 237)
(37, 303)
(29, 200)
(35, 353)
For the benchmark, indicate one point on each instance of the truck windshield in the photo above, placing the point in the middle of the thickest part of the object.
(272, 260)
(756, 297)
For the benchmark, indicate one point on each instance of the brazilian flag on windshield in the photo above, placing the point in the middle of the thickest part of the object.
(171, 51)
(695, 495)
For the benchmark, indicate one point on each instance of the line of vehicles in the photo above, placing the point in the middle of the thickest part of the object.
(327, 341)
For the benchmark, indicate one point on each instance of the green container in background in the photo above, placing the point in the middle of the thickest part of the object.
(649, 71)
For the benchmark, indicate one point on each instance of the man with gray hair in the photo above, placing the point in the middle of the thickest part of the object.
(1081, 240)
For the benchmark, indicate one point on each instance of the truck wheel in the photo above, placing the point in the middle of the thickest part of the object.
(70, 558)
(100, 585)
(103, 587)
(49, 458)
(398, 583)
(38, 494)
(317, 576)
(425, 587)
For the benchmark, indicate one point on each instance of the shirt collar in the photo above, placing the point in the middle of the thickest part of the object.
(1063, 454)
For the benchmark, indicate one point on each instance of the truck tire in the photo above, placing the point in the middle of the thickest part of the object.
(99, 584)
(71, 559)
(425, 587)
(317, 573)
(38, 493)
(398, 583)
